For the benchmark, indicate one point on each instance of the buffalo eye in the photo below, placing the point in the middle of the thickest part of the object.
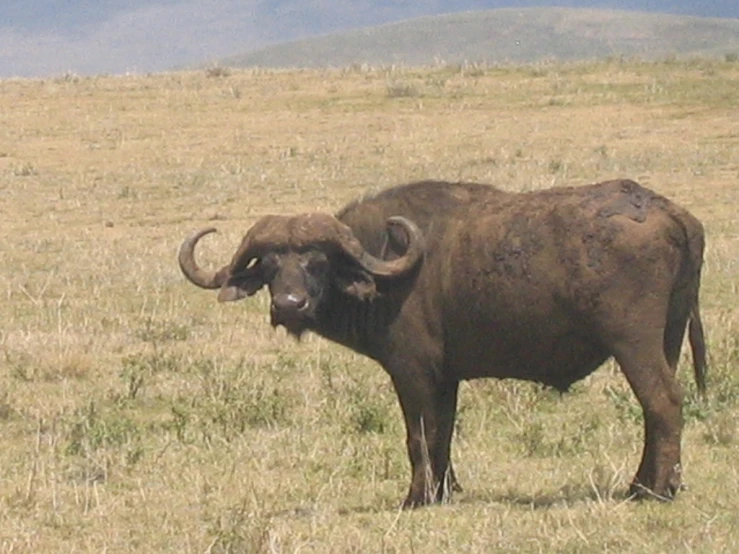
(269, 264)
(315, 264)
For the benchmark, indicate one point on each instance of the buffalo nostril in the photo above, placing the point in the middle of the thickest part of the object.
(286, 302)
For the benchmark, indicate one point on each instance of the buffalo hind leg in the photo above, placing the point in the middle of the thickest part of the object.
(660, 395)
(429, 413)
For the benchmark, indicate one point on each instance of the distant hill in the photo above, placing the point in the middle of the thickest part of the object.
(40, 38)
(515, 35)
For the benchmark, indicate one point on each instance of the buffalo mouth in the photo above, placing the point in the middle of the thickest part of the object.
(294, 321)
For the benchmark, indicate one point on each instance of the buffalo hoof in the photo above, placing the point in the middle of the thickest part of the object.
(420, 501)
(429, 498)
(411, 504)
(452, 482)
(637, 491)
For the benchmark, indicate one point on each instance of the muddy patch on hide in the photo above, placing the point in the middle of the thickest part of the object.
(632, 202)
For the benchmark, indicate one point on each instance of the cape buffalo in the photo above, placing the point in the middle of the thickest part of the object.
(440, 282)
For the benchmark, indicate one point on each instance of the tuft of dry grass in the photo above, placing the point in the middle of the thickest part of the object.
(136, 414)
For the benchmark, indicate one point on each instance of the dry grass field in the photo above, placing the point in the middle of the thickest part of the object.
(138, 415)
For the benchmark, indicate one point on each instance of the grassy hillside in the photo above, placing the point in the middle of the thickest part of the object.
(139, 415)
(508, 35)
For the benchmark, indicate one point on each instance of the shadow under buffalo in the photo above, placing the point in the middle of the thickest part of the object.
(567, 494)
(561, 497)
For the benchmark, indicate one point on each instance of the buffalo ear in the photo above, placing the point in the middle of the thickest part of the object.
(356, 282)
(236, 289)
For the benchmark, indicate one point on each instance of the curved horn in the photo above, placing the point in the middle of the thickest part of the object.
(191, 270)
(390, 268)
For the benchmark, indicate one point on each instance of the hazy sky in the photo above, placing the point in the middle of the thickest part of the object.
(52, 37)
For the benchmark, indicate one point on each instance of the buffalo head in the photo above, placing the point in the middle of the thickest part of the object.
(302, 259)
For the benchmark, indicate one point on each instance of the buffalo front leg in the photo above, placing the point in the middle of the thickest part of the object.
(429, 411)
(447, 410)
(660, 395)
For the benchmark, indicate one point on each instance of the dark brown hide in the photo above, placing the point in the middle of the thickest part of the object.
(542, 286)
